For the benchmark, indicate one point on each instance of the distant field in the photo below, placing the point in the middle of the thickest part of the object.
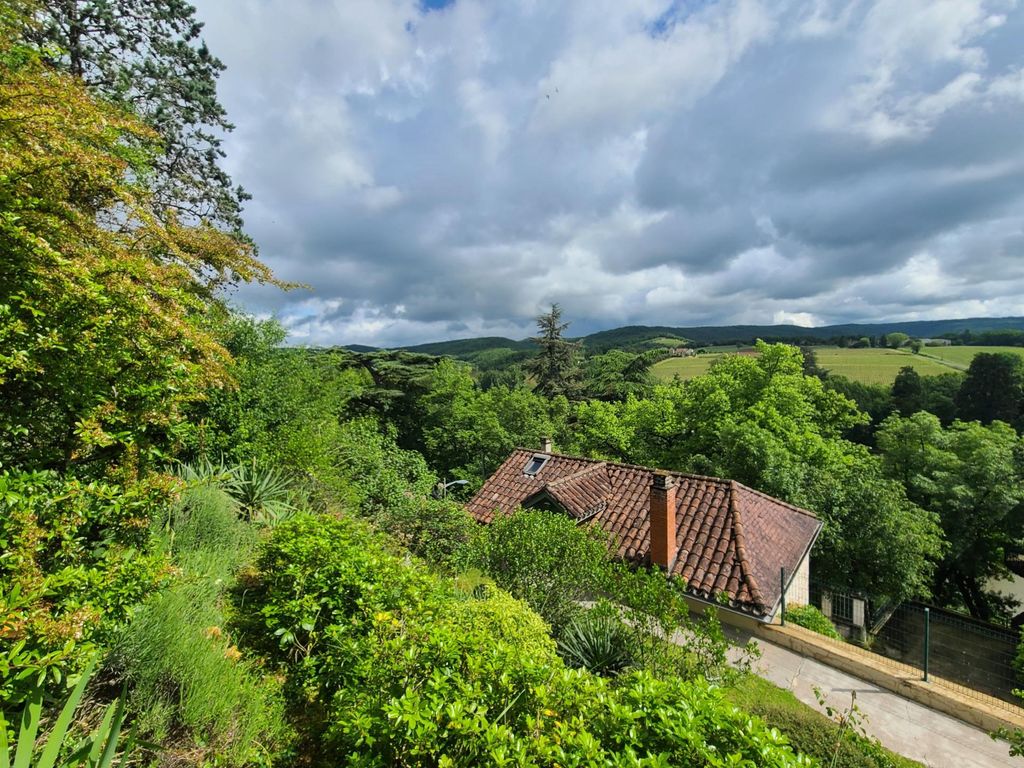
(962, 356)
(871, 366)
(875, 366)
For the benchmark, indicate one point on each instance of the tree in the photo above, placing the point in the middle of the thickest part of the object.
(556, 368)
(148, 57)
(896, 339)
(907, 391)
(874, 539)
(811, 367)
(105, 307)
(972, 477)
(993, 389)
(616, 374)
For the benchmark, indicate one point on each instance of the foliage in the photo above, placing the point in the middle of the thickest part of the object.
(809, 617)
(555, 369)
(993, 389)
(148, 56)
(406, 672)
(874, 539)
(77, 558)
(468, 432)
(96, 751)
(598, 641)
(544, 559)
(103, 303)
(809, 731)
(190, 688)
(615, 374)
(438, 530)
(907, 392)
(972, 478)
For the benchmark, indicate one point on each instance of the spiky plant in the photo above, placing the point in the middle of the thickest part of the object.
(95, 751)
(598, 642)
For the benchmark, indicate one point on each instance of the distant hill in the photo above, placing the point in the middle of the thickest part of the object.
(641, 337)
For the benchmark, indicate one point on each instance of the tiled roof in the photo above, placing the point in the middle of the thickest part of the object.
(730, 538)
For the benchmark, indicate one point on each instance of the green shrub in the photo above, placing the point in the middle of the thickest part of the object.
(436, 530)
(406, 670)
(77, 558)
(598, 642)
(809, 617)
(544, 558)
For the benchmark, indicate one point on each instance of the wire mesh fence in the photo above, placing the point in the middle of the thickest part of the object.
(945, 648)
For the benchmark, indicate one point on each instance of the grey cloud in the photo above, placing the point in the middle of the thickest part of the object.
(450, 172)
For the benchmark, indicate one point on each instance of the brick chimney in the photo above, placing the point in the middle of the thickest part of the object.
(663, 520)
(547, 445)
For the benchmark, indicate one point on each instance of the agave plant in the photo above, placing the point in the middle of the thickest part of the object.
(265, 494)
(96, 751)
(598, 642)
(206, 472)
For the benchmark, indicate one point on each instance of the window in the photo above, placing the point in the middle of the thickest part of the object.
(535, 464)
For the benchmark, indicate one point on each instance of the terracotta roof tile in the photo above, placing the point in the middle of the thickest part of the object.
(730, 538)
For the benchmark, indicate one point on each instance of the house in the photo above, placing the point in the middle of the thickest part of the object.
(733, 546)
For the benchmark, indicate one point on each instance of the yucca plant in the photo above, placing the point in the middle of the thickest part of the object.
(264, 493)
(206, 472)
(598, 642)
(96, 751)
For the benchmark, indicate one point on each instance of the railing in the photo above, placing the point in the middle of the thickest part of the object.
(938, 646)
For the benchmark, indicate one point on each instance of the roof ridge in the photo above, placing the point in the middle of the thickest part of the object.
(741, 548)
(565, 479)
(624, 465)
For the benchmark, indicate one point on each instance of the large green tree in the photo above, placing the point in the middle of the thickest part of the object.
(105, 304)
(993, 389)
(148, 56)
(556, 367)
(972, 477)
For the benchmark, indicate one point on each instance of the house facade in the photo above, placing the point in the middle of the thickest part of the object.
(733, 546)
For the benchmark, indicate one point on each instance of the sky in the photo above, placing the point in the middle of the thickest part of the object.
(448, 169)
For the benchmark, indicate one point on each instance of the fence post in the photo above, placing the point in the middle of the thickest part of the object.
(927, 640)
(782, 595)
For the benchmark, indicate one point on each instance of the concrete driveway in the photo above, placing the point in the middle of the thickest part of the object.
(905, 727)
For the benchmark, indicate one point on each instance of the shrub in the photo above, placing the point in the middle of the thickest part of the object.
(436, 530)
(809, 617)
(545, 559)
(77, 557)
(407, 671)
(598, 642)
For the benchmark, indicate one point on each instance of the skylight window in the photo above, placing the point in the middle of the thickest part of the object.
(535, 464)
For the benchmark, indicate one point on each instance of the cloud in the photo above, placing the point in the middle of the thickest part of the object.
(447, 169)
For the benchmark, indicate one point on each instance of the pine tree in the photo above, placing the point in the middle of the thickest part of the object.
(147, 56)
(556, 368)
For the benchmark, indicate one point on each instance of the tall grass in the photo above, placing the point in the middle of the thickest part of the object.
(190, 688)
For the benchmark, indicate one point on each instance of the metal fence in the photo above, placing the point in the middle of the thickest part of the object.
(943, 647)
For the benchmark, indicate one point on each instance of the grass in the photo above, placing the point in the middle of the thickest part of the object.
(189, 684)
(875, 366)
(808, 730)
(961, 357)
(870, 366)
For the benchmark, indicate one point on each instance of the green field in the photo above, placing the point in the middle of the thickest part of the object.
(871, 366)
(961, 356)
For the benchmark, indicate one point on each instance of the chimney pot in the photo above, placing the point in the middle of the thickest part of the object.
(663, 519)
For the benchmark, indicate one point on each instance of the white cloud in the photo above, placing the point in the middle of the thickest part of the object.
(444, 173)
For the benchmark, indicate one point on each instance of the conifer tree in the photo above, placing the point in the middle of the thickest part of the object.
(147, 56)
(556, 368)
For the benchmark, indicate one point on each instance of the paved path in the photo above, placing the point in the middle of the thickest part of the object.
(904, 726)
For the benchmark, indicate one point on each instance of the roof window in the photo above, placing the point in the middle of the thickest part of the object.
(535, 464)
